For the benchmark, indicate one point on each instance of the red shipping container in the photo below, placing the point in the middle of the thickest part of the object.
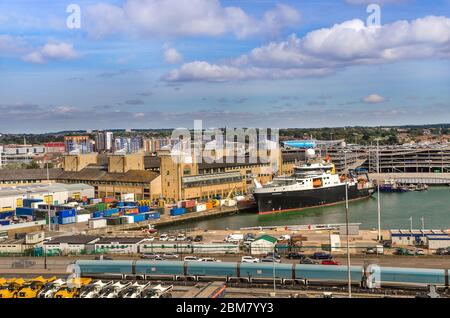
(188, 204)
(108, 199)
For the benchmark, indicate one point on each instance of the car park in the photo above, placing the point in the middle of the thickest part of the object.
(249, 259)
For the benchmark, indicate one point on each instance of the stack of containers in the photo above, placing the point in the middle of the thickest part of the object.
(27, 203)
(177, 211)
(67, 216)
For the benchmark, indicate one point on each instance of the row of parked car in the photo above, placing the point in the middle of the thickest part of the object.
(40, 287)
(173, 256)
(317, 258)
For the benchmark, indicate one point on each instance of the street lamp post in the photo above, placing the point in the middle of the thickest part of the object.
(273, 268)
(348, 241)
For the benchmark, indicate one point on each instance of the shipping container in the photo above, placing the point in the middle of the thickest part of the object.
(138, 218)
(83, 218)
(143, 209)
(27, 203)
(5, 222)
(152, 215)
(177, 211)
(109, 199)
(188, 204)
(97, 223)
(24, 211)
(6, 214)
(200, 207)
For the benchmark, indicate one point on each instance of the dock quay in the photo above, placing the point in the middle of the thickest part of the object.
(432, 179)
(167, 220)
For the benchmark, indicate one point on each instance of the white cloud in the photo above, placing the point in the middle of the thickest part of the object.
(184, 18)
(326, 50)
(374, 99)
(172, 56)
(52, 51)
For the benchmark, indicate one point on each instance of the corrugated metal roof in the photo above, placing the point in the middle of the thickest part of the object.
(72, 239)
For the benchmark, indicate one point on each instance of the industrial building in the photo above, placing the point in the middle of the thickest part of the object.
(56, 193)
(263, 245)
(71, 244)
(415, 237)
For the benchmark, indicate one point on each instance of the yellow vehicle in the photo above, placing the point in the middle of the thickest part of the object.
(32, 288)
(10, 290)
(72, 290)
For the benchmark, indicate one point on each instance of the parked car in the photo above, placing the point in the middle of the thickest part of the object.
(442, 251)
(270, 259)
(172, 238)
(403, 251)
(371, 250)
(419, 251)
(163, 237)
(24, 263)
(170, 256)
(189, 239)
(321, 255)
(307, 261)
(209, 259)
(191, 259)
(329, 262)
(272, 254)
(159, 258)
(149, 256)
(198, 238)
(295, 255)
(387, 243)
(181, 237)
(249, 259)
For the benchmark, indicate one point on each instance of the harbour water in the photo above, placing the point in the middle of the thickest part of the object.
(396, 209)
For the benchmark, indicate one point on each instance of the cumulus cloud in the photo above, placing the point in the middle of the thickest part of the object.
(172, 56)
(326, 50)
(184, 18)
(374, 99)
(52, 51)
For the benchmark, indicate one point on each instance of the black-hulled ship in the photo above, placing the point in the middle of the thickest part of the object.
(311, 185)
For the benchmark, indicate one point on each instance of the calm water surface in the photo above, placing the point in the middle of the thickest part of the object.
(396, 208)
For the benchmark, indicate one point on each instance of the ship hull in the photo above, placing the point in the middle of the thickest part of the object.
(295, 200)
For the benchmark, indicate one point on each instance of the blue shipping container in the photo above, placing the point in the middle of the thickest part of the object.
(98, 214)
(67, 213)
(143, 209)
(5, 222)
(138, 218)
(177, 211)
(24, 211)
(110, 212)
(4, 215)
(152, 216)
(27, 202)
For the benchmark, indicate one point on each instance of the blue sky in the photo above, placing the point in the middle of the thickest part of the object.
(253, 63)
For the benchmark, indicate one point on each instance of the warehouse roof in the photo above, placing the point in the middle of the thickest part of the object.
(28, 174)
(72, 239)
(91, 174)
(120, 240)
(41, 188)
(268, 238)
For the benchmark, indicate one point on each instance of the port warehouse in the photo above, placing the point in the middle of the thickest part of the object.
(253, 272)
(56, 193)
